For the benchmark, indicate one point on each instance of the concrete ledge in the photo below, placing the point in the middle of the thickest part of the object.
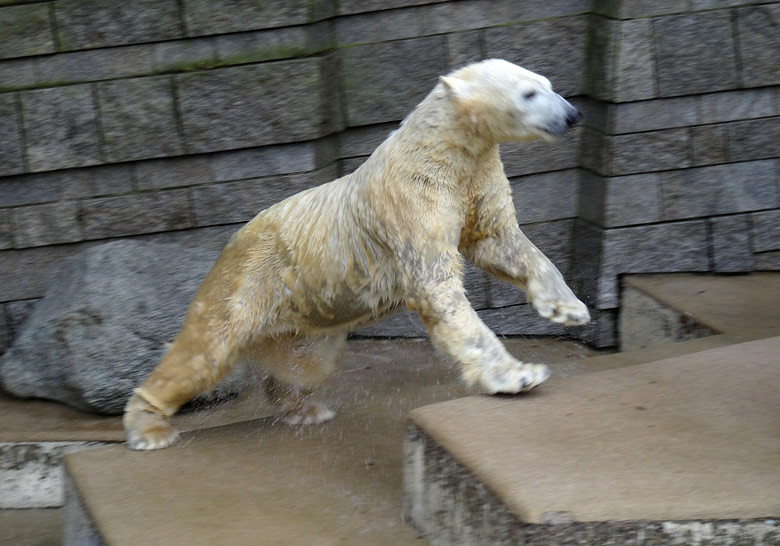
(449, 506)
(679, 451)
(31, 473)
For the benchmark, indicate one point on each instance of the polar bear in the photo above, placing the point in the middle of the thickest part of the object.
(292, 283)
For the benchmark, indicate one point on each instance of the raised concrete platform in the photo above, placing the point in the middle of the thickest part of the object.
(673, 452)
(663, 309)
(262, 483)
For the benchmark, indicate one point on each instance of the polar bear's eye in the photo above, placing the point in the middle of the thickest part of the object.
(529, 95)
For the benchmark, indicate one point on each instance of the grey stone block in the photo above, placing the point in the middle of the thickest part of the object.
(93, 181)
(83, 24)
(591, 197)
(695, 53)
(555, 240)
(400, 324)
(477, 284)
(60, 127)
(463, 48)
(350, 164)
(736, 105)
(223, 16)
(380, 26)
(541, 156)
(759, 44)
(383, 82)
(264, 45)
(546, 196)
(648, 8)
(649, 152)
(347, 7)
(601, 58)
(659, 248)
(185, 55)
(28, 189)
(709, 145)
(93, 65)
(101, 328)
(6, 231)
(766, 230)
(11, 151)
(25, 274)
(252, 105)
(768, 261)
(49, 224)
(651, 115)
(170, 173)
(138, 119)
(554, 48)
(6, 335)
(595, 154)
(721, 189)
(18, 74)
(635, 72)
(362, 141)
(234, 202)
(26, 31)
(753, 139)
(633, 199)
(138, 213)
(731, 249)
(518, 320)
(697, 5)
(265, 161)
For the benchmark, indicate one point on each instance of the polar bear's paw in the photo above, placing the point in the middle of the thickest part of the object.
(312, 414)
(569, 312)
(147, 431)
(520, 377)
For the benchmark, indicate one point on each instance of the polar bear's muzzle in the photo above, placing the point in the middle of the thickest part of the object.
(567, 118)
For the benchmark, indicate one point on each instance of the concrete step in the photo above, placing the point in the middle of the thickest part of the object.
(662, 309)
(679, 451)
(262, 483)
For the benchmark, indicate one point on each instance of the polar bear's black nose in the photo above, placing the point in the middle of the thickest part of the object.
(573, 117)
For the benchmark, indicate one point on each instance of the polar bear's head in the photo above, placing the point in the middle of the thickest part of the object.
(507, 103)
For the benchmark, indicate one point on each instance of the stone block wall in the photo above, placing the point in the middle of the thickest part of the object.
(178, 120)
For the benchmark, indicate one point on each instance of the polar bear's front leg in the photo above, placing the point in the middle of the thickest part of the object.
(513, 258)
(457, 331)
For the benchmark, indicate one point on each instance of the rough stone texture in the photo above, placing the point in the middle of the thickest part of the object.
(644, 321)
(49, 224)
(759, 44)
(138, 119)
(60, 128)
(450, 506)
(736, 105)
(268, 160)
(547, 196)
(651, 115)
(648, 152)
(766, 230)
(383, 82)
(31, 473)
(223, 16)
(709, 145)
(262, 45)
(753, 139)
(169, 173)
(6, 235)
(11, 156)
(251, 105)
(103, 325)
(136, 213)
(26, 31)
(84, 24)
(720, 189)
(635, 67)
(633, 199)
(658, 248)
(731, 249)
(92, 65)
(555, 48)
(695, 53)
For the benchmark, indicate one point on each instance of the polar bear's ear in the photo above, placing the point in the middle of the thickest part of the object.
(456, 88)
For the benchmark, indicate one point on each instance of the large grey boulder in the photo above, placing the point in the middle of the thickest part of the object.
(104, 323)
